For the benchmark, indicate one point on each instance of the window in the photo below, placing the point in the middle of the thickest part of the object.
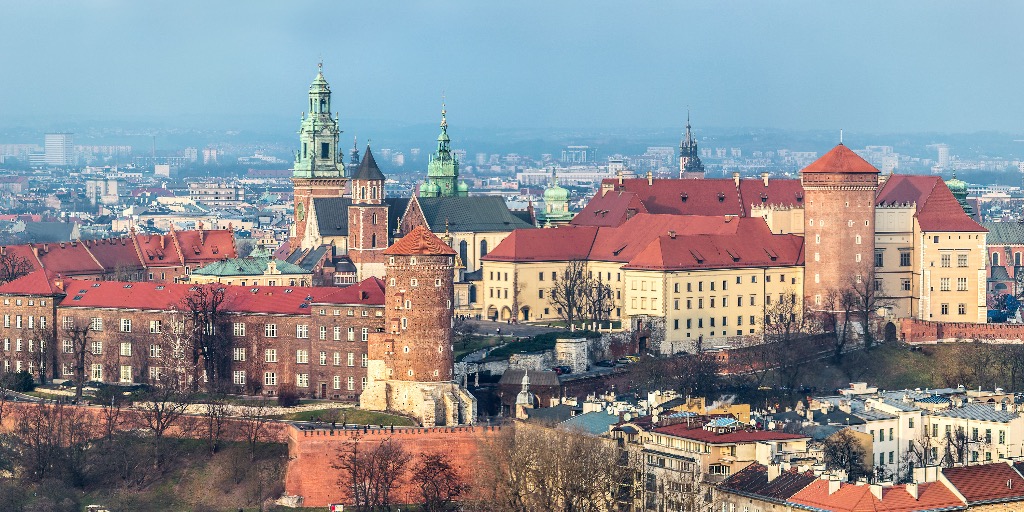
(95, 324)
(302, 356)
(155, 326)
(351, 384)
(270, 330)
(337, 382)
(238, 329)
(126, 374)
(96, 372)
(126, 349)
(910, 423)
(97, 347)
(1002, 437)
(961, 309)
(302, 380)
(337, 333)
(879, 260)
(878, 285)
(961, 284)
(351, 333)
(337, 359)
(944, 284)
(905, 285)
(238, 377)
(270, 379)
(270, 355)
(945, 260)
(323, 358)
(155, 351)
(323, 332)
(126, 325)
(351, 359)
(904, 258)
(238, 354)
(945, 309)
(68, 322)
(365, 333)
(66, 346)
(302, 331)
(961, 260)
(364, 361)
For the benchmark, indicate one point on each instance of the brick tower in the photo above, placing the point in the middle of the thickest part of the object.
(368, 219)
(839, 209)
(410, 364)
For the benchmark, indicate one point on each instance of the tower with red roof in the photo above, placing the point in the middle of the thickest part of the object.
(368, 219)
(411, 365)
(839, 212)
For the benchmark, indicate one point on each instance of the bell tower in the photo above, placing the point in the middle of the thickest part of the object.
(443, 169)
(319, 170)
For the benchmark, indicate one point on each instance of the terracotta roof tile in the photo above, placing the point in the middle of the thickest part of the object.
(753, 481)
(842, 160)
(420, 241)
(34, 283)
(987, 482)
(937, 209)
(858, 498)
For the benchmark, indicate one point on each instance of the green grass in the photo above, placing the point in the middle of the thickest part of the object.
(476, 343)
(350, 415)
(538, 343)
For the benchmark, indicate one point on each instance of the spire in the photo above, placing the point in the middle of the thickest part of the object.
(368, 169)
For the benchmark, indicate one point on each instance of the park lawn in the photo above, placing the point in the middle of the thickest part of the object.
(476, 343)
(351, 415)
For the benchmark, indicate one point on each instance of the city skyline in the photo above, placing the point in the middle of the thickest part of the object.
(882, 68)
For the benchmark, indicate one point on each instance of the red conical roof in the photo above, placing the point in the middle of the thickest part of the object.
(841, 160)
(420, 241)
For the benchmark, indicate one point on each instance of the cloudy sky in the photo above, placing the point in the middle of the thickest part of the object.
(877, 66)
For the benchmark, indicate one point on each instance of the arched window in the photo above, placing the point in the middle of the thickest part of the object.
(995, 259)
(373, 192)
(463, 249)
(373, 239)
(362, 192)
(472, 293)
(483, 248)
(374, 218)
(1016, 259)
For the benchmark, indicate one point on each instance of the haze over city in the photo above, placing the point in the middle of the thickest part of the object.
(864, 66)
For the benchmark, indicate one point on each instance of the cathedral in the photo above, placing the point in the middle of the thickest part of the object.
(690, 166)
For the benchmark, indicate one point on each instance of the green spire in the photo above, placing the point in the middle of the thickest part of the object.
(318, 155)
(443, 168)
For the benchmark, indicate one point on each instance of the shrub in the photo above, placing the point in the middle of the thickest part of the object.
(287, 395)
(21, 381)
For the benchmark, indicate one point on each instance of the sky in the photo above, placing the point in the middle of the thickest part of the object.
(908, 66)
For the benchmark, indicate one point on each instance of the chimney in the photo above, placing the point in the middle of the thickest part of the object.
(650, 178)
(833, 485)
(736, 178)
(774, 470)
(162, 242)
(619, 174)
(764, 178)
(672, 235)
(912, 490)
(59, 283)
(876, 490)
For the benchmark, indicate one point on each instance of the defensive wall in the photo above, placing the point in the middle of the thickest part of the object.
(313, 455)
(923, 331)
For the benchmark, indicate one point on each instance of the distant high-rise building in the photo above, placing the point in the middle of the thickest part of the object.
(943, 155)
(690, 165)
(59, 149)
(577, 155)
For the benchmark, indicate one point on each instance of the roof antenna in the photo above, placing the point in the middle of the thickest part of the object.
(840, 135)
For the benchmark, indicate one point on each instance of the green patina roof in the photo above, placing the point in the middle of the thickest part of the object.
(1004, 233)
(247, 267)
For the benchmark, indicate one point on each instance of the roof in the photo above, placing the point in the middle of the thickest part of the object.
(288, 300)
(368, 169)
(199, 246)
(556, 414)
(332, 215)
(420, 242)
(981, 412)
(594, 422)
(49, 231)
(469, 214)
(308, 258)
(697, 433)
(68, 258)
(842, 160)
(1004, 233)
(937, 209)
(542, 378)
(753, 481)
(858, 498)
(38, 282)
(114, 253)
(986, 482)
(563, 243)
(247, 267)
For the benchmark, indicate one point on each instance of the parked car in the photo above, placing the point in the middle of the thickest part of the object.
(562, 369)
(623, 360)
(633, 359)
(607, 363)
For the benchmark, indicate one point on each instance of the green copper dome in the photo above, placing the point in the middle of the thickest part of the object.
(463, 187)
(429, 189)
(555, 194)
(956, 186)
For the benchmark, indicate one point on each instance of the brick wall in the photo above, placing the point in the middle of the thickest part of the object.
(922, 331)
(313, 454)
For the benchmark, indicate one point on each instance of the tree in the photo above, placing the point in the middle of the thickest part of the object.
(161, 409)
(45, 358)
(438, 483)
(955, 446)
(842, 451)
(13, 266)
(52, 440)
(214, 418)
(786, 328)
(837, 318)
(207, 342)
(371, 471)
(867, 298)
(287, 395)
(254, 419)
(599, 303)
(569, 291)
(462, 331)
(77, 337)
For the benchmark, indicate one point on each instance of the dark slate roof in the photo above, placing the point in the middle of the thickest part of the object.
(999, 273)
(396, 208)
(753, 481)
(476, 275)
(332, 214)
(537, 378)
(469, 214)
(368, 169)
(307, 258)
(523, 215)
(553, 415)
(594, 422)
(48, 231)
(1005, 233)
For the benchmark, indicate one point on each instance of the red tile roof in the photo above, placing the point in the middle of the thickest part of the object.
(778, 192)
(987, 482)
(842, 160)
(199, 246)
(114, 253)
(753, 481)
(420, 241)
(858, 498)
(158, 250)
(751, 245)
(68, 258)
(697, 433)
(35, 283)
(563, 243)
(610, 209)
(23, 251)
(672, 196)
(288, 300)
(937, 209)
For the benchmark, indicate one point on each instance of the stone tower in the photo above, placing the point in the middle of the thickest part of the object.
(318, 170)
(368, 219)
(839, 237)
(443, 169)
(690, 166)
(411, 369)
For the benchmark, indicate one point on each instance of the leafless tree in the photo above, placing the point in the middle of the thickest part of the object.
(786, 328)
(569, 290)
(955, 447)
(160, 410)
(868, 297)
(52, 438)
(214, 421)
(45, 357)
(372, 471)
(77, 335)
(254, 419)
(438, 482)
(208, 344)
(13, 266)
(124, 273)
(838, 315)
(843, 451)
(599, 303)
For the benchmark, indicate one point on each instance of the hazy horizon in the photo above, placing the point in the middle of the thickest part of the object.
(869, 67)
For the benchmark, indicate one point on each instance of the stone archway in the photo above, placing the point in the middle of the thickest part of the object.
(890, 332)
(525, 314)
(506, 313)
(492, 313)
